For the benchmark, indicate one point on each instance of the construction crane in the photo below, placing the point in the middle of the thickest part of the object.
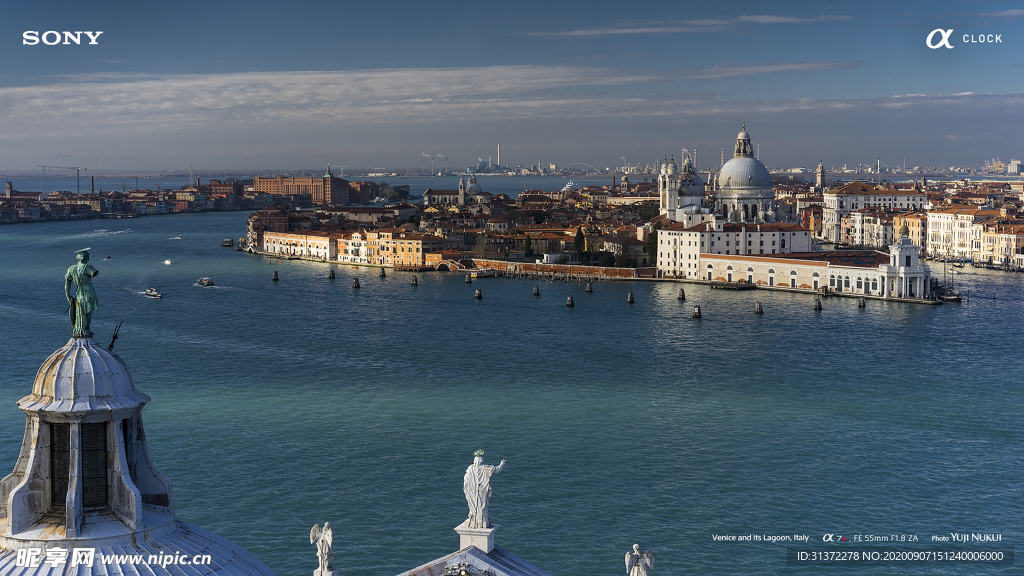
(79, 173)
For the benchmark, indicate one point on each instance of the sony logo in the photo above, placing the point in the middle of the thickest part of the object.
(52, 37)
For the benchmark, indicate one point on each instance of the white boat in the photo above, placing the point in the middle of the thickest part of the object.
(482, 273)
(205, 282)
(153, 293)
(168, 262)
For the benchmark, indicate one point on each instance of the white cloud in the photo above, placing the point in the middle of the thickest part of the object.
(108, 103)
(689, 26)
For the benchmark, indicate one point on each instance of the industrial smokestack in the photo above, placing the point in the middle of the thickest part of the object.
(499, 154)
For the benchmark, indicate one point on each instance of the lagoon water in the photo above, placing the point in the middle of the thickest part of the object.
(280, 405)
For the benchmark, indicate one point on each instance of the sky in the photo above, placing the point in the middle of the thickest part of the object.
(275, 86)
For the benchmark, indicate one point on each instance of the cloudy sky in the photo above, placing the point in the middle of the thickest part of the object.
(226, 84)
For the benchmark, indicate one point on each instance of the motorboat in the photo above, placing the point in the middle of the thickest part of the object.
(227, 243)
(205, 282)
(153, 293)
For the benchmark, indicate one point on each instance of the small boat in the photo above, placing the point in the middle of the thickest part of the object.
(178, 237)
(482, 273)
(227, 243)
(168, 262)
(107, 258)
(153, 293)
(205, 282)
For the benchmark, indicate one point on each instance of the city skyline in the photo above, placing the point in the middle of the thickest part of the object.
(235, 86)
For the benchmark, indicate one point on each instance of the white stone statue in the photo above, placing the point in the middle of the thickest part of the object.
(637, 562)
(323, 539)
(477, 486)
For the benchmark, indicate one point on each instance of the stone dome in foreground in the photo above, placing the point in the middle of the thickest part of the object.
(84, 480)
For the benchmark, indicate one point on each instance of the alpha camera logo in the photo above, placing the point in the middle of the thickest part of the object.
(944, 35)
(53, 37)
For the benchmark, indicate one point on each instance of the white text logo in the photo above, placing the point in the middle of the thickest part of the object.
(945, 38)
(52, 37)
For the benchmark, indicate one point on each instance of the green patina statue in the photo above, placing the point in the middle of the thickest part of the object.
(83, 299)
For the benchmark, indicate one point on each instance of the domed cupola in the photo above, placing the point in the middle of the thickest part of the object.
(84, 480)
(745, 186)
(82, 378)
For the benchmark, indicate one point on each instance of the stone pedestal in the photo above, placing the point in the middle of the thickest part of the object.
(482, 538)
(331, 571)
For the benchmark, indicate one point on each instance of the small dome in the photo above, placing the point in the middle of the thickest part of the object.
(672, 168)
(743, 135)
(82, 377)
(744, 172)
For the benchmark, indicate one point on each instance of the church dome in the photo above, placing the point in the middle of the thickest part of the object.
(473, 187)
(744, 172)
(672, 168)
(743, 135)
(82, 377)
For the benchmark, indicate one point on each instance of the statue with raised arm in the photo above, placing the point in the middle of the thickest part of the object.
(637, 562)
(82, 300)
(477, 486)
(323, 540)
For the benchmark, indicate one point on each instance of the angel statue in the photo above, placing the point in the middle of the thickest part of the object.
(637, 562)
(323, 539)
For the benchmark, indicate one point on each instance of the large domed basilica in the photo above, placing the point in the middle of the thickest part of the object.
(742, 189)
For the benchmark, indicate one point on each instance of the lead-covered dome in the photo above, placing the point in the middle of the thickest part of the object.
(744, 172)
(83, 377)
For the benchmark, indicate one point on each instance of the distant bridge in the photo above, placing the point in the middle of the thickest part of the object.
(565, 169)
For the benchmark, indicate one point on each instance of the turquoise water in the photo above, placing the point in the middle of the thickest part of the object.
(280, 405)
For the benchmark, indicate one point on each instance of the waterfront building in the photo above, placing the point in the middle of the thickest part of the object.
(312, 244)
(326, 189)
(395, 247)
(352, 247)
(1000, 243)
(856, 195)
(951, 232)
(681, 247)
(85, 496)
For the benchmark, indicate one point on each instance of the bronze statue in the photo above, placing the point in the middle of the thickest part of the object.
(83, 301)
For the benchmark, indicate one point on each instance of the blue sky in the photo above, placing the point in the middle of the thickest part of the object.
(229, 84)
